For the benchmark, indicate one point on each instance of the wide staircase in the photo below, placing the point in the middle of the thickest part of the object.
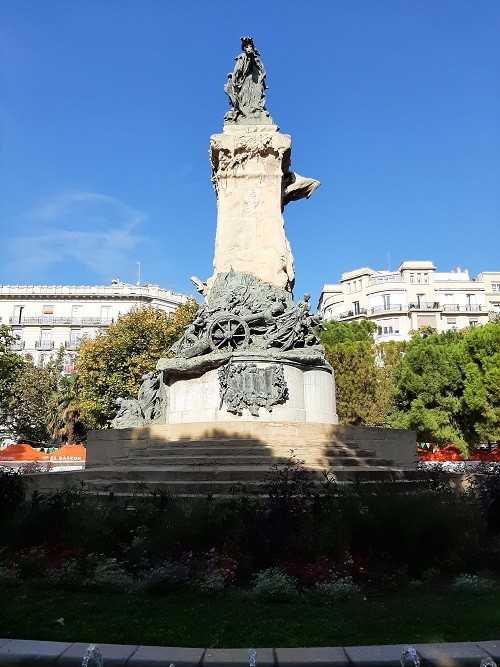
(213, 460)
(224, 467)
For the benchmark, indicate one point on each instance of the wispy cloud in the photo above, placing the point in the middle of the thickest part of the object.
(91, 231)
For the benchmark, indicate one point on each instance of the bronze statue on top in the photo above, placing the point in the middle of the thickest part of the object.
(245, 88)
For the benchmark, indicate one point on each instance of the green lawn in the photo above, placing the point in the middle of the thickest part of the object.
(230, 620)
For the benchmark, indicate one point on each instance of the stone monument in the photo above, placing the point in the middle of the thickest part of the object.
(250, 354)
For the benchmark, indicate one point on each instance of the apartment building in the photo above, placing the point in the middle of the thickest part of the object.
(45, 317)
(414, 295)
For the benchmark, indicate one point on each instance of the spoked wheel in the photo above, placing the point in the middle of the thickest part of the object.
(228, 332)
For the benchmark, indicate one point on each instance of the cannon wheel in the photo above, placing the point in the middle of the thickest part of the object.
(227, 332)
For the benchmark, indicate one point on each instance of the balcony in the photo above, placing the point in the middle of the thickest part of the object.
(385, 280)
(424, 305)
(353, 313)
(54, 321)
(44, 345)
(473, 308)
(451, 307)
(389, 308)
(72, 344)
(17, 345)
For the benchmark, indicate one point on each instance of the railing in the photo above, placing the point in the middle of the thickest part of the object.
(47, 320)
(473, 307)
(17, 345)
(44, 345)
(395, 307)
(72, 344)
(353, 313)
(451, 307)
(424, 305)
(385, 280)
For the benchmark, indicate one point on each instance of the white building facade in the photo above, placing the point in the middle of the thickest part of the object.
(413, 296)
(45, 317)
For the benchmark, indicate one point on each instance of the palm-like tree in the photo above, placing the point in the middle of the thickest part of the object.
(67, 408)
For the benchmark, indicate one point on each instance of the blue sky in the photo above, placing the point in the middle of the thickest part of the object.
(107, 107)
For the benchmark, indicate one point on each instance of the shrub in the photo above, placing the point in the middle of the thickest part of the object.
(69, 576)
(12, 491)
(343, 589)
(108, 575)
(472, 584)
(289, 487)
(273, 585)
(210, 581)
(8, 578)
(165, 578)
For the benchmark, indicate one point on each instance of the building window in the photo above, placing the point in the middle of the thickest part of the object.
(386, 298)
(355, 306)
(495, 287)
(77, 312)
(473, 323)
(43, 359)
(426, 277)
(46, 335)
(74, 336)
(48, 310)
(18, 314)
(106, 312)
(451, 320)
(412, 278)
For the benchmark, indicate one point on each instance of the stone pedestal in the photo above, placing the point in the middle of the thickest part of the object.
(248, 165)
(310, 395)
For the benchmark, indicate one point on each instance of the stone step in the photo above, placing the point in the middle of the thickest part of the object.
(226, 474)
(175, 487)
(236, 443)
(221, 450)
(243, 460)
(204, 487)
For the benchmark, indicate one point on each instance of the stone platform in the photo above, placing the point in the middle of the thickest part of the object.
(208, 459)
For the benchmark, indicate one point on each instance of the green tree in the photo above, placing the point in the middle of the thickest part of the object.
(30, 401)
(63, 422)
(10, 365)
(481, 397)
(112, 364)
(448, 386)
(363, 389)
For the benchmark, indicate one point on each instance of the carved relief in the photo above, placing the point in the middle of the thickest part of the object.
(252, 387)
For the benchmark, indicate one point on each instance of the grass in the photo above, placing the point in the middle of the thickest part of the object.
(232, 620)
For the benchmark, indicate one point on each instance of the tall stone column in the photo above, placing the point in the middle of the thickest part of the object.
(248, 167)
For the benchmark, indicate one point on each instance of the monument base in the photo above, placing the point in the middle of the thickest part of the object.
(302, 393)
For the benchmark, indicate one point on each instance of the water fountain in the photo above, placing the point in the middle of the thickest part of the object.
(410, 653)
(92, 653)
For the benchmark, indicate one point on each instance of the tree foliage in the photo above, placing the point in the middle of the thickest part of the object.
(112, 364)
(447, 386)
(363, 386)
(10, 365)
(30, 404)
(64, 422)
